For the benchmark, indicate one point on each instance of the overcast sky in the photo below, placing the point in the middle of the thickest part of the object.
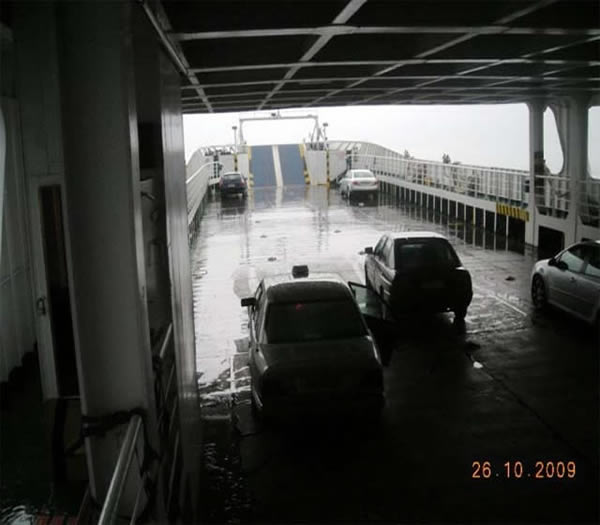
(488, 135)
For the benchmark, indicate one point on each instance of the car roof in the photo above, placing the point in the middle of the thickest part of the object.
(416, 235)
(324, 287)
(589, 242)
(231, 173)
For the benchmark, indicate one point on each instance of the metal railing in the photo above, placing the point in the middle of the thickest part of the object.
(495, 184)
(109, 513)
(164, 473)
(196, 184)
(589, 202)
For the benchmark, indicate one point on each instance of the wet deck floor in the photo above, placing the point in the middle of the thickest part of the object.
(514, 387)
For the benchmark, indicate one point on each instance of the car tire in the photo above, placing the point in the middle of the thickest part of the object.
(538, 294)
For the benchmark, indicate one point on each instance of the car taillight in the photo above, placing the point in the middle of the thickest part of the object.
(373, 379)
(273, 387)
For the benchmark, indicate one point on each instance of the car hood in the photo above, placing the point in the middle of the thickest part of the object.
(358, 351)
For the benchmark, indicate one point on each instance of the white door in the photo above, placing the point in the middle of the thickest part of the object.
(54, 325)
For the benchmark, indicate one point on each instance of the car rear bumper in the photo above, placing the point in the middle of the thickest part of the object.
(364, 189)
(233, 190)
(295, 408)
(415, 305)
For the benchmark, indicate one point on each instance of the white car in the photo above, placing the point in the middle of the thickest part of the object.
(359, 182)
(571, 281)
(312, 352)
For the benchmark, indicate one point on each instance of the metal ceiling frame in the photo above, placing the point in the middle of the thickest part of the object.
(250, 95)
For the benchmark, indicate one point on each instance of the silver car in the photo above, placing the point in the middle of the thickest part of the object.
(570, 280)
(359, 183)
(311, 350)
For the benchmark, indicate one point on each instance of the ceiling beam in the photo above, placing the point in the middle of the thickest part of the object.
(468, 36)
(162, 27)
(337, 30)
(351, 7)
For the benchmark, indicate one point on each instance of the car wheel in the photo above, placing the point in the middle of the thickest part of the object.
(538, 293)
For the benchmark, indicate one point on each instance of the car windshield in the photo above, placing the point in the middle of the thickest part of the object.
(418, 253)
(232, 177)
(313, 321)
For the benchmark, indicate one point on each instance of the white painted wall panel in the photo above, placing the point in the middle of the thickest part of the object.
(315, 163)
(16, 301)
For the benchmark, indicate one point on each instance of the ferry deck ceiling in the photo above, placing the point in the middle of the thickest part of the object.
(268, 55)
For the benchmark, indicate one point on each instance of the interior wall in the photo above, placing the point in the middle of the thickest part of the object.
(16, 303)
(316, 166)
(181, 276)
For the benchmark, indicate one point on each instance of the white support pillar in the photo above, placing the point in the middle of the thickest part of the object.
(2, 170)
(576, 158)
(536, 165)
(104, 211)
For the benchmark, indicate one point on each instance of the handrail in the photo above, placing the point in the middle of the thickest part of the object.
(165, 343)
(117, 482)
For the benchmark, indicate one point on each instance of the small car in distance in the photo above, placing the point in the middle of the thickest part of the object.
(311, 352)
(233, 183)
(359, 183)
(420, 273)
(570, 281)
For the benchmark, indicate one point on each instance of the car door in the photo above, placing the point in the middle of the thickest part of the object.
(374, 310)
(371, 266)
(254, 325)
(563, 282)
(385, 261)
(588, 283)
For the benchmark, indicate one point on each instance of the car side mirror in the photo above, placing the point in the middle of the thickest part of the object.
(369, 250)
(552, 261)
(249, 301)
(562, 265)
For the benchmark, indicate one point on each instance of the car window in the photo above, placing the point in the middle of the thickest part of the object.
(592, 256)
(418, 253)
(573, 257)
(232, 177)
(311, 321)
(388, 253)
(379, 246)
(259, 310)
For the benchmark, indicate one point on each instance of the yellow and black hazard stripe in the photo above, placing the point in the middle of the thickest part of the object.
(512, 211)
(250, 174)
(306, 175)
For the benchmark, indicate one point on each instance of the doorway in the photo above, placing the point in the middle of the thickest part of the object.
(53, 304)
